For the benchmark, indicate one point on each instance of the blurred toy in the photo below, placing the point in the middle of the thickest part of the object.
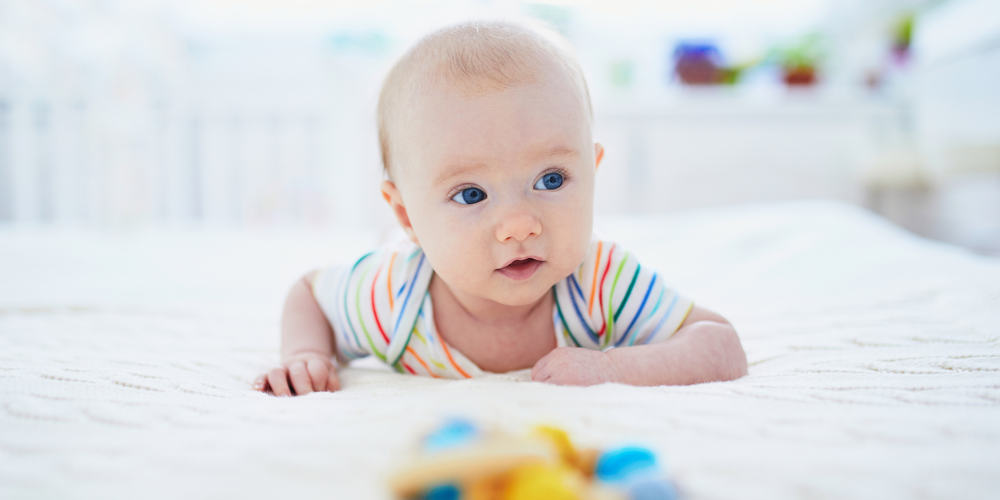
(703, 63)
(635, 469)
(697, 63)
(459, 461)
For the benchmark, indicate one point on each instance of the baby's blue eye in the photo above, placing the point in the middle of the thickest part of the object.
(469, 196)
(551, 180)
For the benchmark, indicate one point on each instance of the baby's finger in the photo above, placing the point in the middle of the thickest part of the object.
(333, 381)
(276, 378)
(260, 383)
(540, 368)
(318, 372)
(300, 378)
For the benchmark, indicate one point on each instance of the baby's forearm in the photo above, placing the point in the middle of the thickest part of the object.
(304, 327)
(704, 351)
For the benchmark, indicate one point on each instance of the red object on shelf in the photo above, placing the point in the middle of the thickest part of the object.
(799, 76)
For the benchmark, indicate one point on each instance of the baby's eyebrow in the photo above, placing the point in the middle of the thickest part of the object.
(559, 151)
(455, 169)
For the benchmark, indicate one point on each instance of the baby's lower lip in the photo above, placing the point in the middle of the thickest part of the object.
(520, 270)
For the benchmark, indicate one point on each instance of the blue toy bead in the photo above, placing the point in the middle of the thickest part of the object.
(655, 489)
(617, 465)
(451, 434)
(443, 492)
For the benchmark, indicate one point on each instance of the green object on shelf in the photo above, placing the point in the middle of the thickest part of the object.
(902, 31)
(622, 73)
(800, 59)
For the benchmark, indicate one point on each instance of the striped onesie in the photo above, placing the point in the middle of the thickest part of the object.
(381, 306)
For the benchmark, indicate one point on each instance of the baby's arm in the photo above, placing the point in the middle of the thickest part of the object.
(705, 348)
(307, 346)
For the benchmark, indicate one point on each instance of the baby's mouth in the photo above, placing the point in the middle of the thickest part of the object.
(521, 269)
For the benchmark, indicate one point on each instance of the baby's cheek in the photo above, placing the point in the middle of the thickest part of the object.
(570, 254)
(459, 267)
(573, 229)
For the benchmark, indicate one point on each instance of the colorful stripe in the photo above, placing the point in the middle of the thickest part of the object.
(611, 298)
(576, 287)
(639, 312)
(584, 322)
(409, 292)
(421, 361)
(593, 281)
(375, 310)
(563, 318)
(357, 307)
(396, 347)
(600, 294)
(388, 284)
(347, 314)
(453, 363)
(662, 320)
(628, 292)
(431, 344)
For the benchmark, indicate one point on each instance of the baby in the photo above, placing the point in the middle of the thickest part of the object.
(485, 130)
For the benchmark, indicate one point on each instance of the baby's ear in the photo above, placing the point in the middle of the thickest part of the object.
(598, 154)
(392, 196)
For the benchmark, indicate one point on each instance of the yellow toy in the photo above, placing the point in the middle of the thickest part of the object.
(459, 461)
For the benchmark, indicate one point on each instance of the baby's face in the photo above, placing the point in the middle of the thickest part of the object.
(500, 176)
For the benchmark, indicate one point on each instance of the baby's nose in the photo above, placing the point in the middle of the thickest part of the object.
(519, 227)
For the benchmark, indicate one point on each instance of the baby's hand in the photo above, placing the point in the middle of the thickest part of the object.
(574, 366)
(300, 374)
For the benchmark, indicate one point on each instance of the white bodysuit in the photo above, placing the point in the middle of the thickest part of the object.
(381, 306)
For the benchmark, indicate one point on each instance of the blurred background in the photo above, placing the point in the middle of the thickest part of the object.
(123, 115)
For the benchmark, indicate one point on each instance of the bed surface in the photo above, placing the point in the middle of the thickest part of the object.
(126, 359)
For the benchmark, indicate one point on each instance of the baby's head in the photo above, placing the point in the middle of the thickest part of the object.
(485, 130)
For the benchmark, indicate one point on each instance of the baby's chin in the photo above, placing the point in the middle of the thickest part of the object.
(517, 300)
(522, 294)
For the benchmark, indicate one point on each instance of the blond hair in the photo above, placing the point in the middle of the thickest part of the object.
(478, 57)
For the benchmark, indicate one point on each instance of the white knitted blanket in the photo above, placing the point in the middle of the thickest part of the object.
(126, 362)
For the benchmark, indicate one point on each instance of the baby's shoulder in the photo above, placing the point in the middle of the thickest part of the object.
(602, 253)
(385, 268)
(389, 253)
(606, 263)
(395, 262)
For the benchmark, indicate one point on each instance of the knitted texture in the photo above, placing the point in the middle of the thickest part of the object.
(126, 362)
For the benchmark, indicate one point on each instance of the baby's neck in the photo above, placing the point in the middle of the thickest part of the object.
(497, 338)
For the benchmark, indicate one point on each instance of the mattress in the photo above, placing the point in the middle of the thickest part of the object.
(126, 360)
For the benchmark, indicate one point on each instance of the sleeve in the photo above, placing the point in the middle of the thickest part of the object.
(332, 291)
(614, 301)
(366, 301)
